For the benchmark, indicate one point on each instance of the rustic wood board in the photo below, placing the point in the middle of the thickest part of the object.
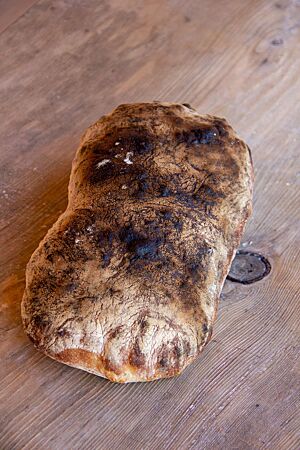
(64, 64)
(12, 10)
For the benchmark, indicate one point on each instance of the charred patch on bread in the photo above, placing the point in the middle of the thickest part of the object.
(222, 127)
(100, 173)
(141, 143)
(106, 258)
(145, 248)
(40, 321)
(138, 245)
(178, 225)
(166, 214)
(143, 185)
(46, 283)
(198, 136)
(204, 327)
(209, 192)
(71, 287)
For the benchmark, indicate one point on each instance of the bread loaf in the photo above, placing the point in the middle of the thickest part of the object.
(126, 283)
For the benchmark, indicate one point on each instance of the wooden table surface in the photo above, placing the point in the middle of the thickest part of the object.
(64, 63)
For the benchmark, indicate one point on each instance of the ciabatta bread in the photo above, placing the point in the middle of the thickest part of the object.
(127, 281)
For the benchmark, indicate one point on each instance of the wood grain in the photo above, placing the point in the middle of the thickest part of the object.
(11, 10)
(64, 64)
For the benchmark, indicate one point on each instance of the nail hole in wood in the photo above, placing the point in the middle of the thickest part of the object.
(248, 267)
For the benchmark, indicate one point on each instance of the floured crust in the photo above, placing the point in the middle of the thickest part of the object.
(126, 283)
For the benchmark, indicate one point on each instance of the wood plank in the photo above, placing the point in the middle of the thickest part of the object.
(67, 63)
(11, 10)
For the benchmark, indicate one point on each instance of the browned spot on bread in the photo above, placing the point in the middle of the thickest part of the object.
(136, 357)
(88, 360)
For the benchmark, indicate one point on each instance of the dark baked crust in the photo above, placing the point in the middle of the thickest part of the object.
(126, 283)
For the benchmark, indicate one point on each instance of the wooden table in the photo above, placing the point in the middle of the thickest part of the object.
(65, 63)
